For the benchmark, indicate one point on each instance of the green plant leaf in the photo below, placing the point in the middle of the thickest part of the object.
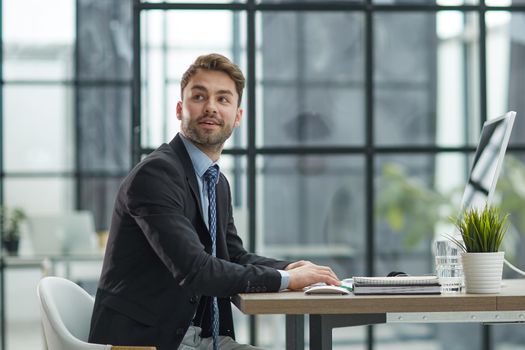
(482, 230)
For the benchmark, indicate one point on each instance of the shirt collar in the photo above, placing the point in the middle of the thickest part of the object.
(201, 162)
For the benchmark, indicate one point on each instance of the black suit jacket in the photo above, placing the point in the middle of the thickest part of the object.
(158, 271)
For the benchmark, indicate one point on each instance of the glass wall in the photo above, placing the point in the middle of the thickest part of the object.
(359, 126)
(360, 117)
(66, 126)
(66, 103)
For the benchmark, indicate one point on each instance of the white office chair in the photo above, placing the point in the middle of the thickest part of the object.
(66, 315)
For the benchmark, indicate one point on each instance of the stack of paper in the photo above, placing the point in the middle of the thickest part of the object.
(397, 285)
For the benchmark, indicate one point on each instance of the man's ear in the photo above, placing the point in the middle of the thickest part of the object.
(179, 110)
(238, 117)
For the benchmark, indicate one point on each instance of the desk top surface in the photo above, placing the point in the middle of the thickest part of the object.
(511, 298)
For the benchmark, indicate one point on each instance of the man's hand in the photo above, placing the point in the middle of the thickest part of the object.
(304, 273)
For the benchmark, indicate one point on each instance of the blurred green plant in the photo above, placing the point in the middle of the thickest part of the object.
(412, 209)
(511, 190)
(10, 222)
(408, 206)
(510, 196)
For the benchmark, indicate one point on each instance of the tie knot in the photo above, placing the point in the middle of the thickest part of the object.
(211, 175)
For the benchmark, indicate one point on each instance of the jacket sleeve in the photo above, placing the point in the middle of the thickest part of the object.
(155, 199)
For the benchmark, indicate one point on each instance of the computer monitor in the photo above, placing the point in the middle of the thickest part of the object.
(65, 233)
(488, 161)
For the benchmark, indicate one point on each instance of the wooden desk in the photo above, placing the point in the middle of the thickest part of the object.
(332, 311)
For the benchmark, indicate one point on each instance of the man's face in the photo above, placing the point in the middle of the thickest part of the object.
(208, 111)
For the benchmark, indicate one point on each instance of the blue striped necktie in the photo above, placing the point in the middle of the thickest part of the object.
(211, 181)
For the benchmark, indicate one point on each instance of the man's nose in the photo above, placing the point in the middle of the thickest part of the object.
(210, 107)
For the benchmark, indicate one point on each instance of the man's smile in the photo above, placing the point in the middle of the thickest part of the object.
(210, 122)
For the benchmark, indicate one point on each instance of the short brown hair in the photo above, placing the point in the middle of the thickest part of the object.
(215, 62)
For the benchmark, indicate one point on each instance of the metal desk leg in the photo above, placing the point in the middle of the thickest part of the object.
(294, 332)
(321, 327)
(320, 333)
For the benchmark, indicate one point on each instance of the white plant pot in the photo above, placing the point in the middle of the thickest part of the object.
(483, 272)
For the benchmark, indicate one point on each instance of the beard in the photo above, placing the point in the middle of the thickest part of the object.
(213, 139)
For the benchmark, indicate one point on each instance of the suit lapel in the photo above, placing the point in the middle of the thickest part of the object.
(180, 149)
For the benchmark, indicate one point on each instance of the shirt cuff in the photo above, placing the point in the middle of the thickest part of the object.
(285, 279)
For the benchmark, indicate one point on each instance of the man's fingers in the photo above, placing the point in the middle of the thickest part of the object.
(329, 277)
(309, 273)
(297, 264)
(328, 270)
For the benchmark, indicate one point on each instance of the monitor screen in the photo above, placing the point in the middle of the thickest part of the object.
(64, 233)
(487, 162)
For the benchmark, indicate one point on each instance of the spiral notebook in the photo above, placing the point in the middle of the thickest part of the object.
(396, 281)
(397, 285)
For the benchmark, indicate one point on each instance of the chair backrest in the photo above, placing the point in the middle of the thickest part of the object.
(66, 314)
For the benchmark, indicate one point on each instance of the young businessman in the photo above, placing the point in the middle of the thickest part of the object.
(173, 256)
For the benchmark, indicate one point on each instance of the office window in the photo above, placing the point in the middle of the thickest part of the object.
(66, 89)
(38, 40)
(304, 1)
(311, 91)
(418, 101)
(356, 113)
(505, 72)
(170, 44)
(192, 1)
(344, 118)
(104, 40)
(103, 103)
(104, 139)
(427, 2)
(42, 195)
(38, 132)
(38, 135)
(310, 208)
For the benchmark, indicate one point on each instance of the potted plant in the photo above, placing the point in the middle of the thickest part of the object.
(10, 225)
(482, 232)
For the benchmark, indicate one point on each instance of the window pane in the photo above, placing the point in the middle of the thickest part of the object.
(505, 73)
(313, 207)
(38, 39)
(170, 45)
(38, 128)
(429, 336)
(195, 1)
(507, 336)
(303, 1)
(312, 79)
(40, 195)
(503, 2)
(104, 39)
(458, 115)
(427, 2)
(104, 139)
(415, 196)
(98, 196)
(510, 197)
(234, 168)
(413, 105)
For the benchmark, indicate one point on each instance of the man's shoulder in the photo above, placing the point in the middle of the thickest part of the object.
(162, 156)
(163, 160)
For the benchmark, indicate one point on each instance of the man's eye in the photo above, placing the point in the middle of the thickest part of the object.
(198, 97)
(224, 99)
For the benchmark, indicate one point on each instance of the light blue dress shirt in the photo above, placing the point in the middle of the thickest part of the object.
(201, 162)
